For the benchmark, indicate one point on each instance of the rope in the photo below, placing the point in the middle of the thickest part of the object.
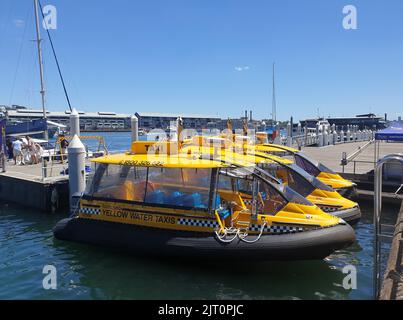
(243, 236)
(237, 233)
(77, 209)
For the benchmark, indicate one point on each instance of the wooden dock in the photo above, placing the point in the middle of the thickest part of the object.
(26, 185)
(364, 162)
(392, 288)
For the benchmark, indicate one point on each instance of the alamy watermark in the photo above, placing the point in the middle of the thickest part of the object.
(49, 282)
(49, 17)
(350, 19)
(350, 280)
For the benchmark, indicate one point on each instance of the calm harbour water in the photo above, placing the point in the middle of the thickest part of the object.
(89, 272)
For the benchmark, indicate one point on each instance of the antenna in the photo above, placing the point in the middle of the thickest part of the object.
(39, 40)
(274, 106)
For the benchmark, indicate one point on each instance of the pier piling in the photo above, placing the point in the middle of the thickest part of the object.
(76, 157)
(74, 123)
(135, 128)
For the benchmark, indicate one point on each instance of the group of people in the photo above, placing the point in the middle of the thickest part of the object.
(24, 151)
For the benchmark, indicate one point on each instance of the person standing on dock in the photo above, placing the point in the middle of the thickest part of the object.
(63, 147)
(31, 150)
(17, 152)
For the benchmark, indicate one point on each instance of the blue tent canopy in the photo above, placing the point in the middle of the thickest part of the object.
(393, 133)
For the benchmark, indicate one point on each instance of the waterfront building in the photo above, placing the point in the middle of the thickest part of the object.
(363, 121)
(151, 120)
(89, 121)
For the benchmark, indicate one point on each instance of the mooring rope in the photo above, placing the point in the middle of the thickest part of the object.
(237, 233)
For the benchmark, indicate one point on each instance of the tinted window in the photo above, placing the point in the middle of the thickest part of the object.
(179, 187)
(306, 165)
(163, 186)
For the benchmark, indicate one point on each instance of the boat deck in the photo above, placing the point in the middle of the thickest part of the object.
(26, 186)
(364, 162)
(33, 172)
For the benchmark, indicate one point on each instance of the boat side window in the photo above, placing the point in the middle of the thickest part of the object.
(93, 186)
(298, 183)
(306, 165)
(271, 199)
(225, 182)
(119, 182)
(290, 178)
(179, 187)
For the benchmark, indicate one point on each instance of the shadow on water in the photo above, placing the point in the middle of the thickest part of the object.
(90, 272)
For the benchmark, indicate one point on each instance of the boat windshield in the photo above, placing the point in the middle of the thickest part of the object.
(290, 194)
(313, 180)
(177, 187)
(270, 199)
(309, 165)
(290, 177)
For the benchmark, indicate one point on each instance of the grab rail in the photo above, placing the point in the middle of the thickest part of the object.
(377, 218)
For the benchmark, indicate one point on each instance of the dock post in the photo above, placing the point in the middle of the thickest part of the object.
(325, 137)
(44, 169)
(305, 131)
(3, 162)
(135, 128)
(348, 134)
(74, 123)
(76, 157)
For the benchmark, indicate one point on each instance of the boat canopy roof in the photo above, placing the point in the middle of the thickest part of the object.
(275, 147)
(164, 161)
(236, 156)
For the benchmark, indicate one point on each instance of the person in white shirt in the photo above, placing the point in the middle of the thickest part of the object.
(17, 152)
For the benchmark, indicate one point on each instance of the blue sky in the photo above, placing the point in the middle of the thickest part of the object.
(209, 56)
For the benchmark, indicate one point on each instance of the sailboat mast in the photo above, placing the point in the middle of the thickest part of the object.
(39, 40)
(274, 107)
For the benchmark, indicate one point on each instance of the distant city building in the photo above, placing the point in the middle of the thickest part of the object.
(89, 121)
(363, 121)
(151, 120)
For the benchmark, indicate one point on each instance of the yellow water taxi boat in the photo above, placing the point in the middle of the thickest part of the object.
(281, 171)
(315, 168)
(154, 200)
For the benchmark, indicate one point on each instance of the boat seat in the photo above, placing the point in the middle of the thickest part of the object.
(193, 200)
(157, 196)
(174, 199)
(223, 212)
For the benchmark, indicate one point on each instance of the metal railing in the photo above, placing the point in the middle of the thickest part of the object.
(51, 168)
(398, 157)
